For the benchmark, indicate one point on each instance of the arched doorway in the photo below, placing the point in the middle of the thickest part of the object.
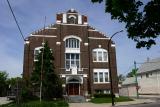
(73, 86)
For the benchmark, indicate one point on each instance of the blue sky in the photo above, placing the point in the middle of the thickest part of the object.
(30, 15)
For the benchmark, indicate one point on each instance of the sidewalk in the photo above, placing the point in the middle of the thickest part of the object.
(88, 104)
(3, 100)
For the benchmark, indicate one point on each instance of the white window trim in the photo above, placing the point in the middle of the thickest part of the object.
(79, 19)
(99, 50)
(72, 16)
(98, 71)
(74, 60)
(37, 49)
(72, 36)
(64, 18)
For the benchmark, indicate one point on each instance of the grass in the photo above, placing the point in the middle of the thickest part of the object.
(109, 100)
(59, 103)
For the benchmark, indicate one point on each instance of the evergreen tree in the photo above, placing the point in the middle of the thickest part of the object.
(52, 87)
(3, 85)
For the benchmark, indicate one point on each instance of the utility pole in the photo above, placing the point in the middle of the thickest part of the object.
(109, 65)
(41, 78)
(135, 68)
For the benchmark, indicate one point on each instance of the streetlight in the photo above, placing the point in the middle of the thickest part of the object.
(109, 65)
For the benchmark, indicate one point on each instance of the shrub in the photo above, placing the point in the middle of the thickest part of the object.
(102, 95)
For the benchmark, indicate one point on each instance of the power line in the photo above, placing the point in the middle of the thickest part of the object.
(15, 20)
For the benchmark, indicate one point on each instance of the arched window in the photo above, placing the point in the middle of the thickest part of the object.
(72, 43)
(72, 52)
(100, 55)
(72, 19)
(37, 50)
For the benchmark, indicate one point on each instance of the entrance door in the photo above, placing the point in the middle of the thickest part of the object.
(73, 89)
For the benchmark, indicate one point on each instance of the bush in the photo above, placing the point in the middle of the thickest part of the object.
(60, 103)
(27, 95)
(102, 95)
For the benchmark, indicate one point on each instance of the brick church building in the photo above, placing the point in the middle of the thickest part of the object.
(80, 52)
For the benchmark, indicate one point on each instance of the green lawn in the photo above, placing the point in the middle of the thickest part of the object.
(38, 104)
(109, 100)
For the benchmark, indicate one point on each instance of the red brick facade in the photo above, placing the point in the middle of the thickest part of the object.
(89, 39)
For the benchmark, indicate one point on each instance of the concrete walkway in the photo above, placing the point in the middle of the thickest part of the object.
(136, 101)
(3, 100)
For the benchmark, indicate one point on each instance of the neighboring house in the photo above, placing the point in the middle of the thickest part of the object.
(80, 52)
(149, 77)
(128, 87)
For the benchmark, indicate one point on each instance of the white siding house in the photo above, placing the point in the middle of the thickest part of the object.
(149, 77)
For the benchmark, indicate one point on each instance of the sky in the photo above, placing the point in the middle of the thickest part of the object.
(31, 15)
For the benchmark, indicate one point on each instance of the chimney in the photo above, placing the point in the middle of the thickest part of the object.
(59, 18)
(85, 19)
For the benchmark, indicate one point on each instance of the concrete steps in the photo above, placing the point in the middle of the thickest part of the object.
(76, 99)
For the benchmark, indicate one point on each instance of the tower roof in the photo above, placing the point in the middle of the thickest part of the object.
(72, 11)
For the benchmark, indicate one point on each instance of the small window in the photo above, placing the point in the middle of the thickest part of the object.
(94, 56)
(72, 20)
(36, 53)
(106, 77)
(147, 76)
(101, 76)
(100, 55)
(72, 43)
(72, 60)
(95, 77)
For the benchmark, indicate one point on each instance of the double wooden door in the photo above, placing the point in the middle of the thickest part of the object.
(73, 89)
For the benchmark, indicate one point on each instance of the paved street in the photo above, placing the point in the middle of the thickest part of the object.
(135, 103)
(155, 104)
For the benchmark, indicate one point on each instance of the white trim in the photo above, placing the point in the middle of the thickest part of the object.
(73, 24)
(85, 75)
(51, 28)
(63, 76)
(27, 42)
(100, 49)
(85, 44)
(48, 36)
(79, 19)
(85, 23)
(73, 74)
(102, 53)
(72, 10)
(101, 71)
(72, 36)
(64, 18)
(72, 50)
(37, 49)
(99, 46)
(58, 21)
(98, 38)
(58, 43)
(92, 30)
(72, 16)
(113, 45)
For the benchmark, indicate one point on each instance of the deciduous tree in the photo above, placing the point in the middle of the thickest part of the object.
(142, 19)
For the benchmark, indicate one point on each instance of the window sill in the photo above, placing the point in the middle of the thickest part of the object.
(101, 82)
(100, 61)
